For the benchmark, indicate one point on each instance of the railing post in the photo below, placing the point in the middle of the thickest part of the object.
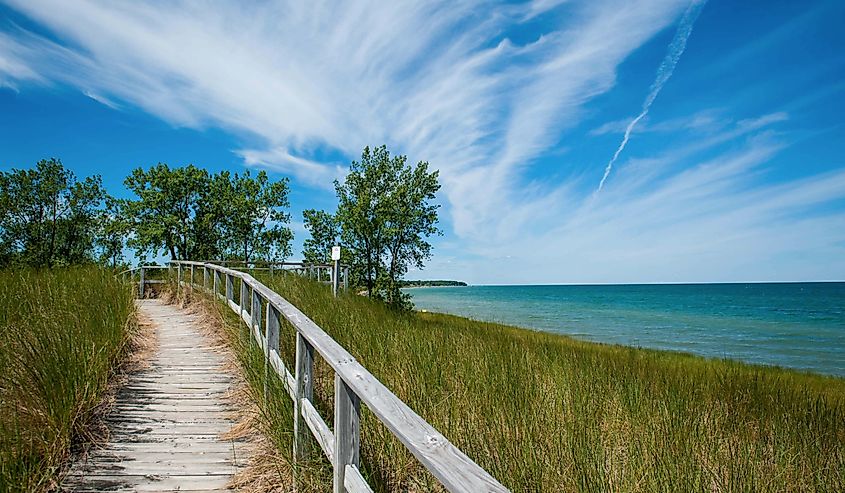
(272, 345)
(141, 285)
(346, 278)
(191, 282)
(242, 301)
(347, 431)
(230, 287)
(304, 390)
(335, 277)
(255, 314)
(215, 276)
(204, 277)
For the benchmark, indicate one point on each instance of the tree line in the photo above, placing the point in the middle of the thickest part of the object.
(49, 218)
(384, 217)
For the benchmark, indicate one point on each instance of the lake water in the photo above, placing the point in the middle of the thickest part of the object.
(797, 325)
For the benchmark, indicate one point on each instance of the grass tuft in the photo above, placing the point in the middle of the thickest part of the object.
(62, 332)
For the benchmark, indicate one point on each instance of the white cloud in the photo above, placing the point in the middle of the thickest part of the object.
(311, 172)
(712, 221)
(706, 120)
(439, 81)
(431, 79)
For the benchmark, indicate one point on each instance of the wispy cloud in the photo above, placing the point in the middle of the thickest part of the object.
(442, 81)
(681, 216)
(706, 120)
(314, 173)
(435, 80)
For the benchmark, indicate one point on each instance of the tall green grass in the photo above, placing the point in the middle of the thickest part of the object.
(543, 412)
(61, 334)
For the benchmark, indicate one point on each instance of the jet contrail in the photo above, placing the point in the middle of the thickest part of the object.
(673, 54)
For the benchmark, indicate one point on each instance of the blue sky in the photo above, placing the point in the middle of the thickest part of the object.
(735, 173)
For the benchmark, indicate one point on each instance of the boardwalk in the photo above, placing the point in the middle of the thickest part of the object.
(166, 424)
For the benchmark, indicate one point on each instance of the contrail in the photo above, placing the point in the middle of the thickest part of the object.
(673, 54)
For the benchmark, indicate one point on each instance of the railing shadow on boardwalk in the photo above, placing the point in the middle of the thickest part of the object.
(354, 384)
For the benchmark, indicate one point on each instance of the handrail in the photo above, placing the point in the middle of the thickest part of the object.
(227, 263)
(144, 267)
(354, 384)
(315, 271)
(142, 282)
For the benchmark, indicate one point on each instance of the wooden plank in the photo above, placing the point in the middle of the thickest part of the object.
(166, 423)
(304, 392)
(283, 373)
(318, 427)
(149, 483)
(347, 432)
(354, 482)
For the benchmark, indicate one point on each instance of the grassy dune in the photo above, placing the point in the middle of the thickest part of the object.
(61, 333)
(543, 412)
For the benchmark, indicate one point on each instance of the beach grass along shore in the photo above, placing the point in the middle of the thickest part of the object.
(62, 331)
(543, 412)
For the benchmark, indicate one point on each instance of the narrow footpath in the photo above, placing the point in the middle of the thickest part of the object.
(167, 420)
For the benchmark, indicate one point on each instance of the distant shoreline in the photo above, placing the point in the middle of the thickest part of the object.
(420, 286)
(433, 284)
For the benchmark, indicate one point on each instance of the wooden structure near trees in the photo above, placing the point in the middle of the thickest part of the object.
(263, 310)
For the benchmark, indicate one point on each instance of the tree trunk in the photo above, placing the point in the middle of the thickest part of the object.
(52, 233)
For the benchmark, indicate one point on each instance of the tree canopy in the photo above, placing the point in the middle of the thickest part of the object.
(385, 213)
(254, 217)
(384, 218)
(325, 232)
(190, 214)
(165, 214)
(49, 218)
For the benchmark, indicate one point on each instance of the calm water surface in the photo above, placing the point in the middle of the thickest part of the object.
(799, 325)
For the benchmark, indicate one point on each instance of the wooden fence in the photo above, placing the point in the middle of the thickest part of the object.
(322, 273)
(262, 310)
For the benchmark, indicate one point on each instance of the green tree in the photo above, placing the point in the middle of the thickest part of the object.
(192, 214)
(385, 217)
(325, 231)
(255, 217)
(112, 232)
(47, 217)
(164, 216)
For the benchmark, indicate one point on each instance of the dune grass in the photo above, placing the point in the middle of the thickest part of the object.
(543, 412)
(61, 333)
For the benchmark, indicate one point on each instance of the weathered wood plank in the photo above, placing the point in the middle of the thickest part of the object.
(166, 423)
(318, 427)
(347, 431)
(354, 482)
(304, 392)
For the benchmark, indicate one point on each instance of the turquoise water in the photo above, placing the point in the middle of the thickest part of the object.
(799, 325)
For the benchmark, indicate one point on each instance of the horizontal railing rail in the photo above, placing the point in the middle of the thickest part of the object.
(320, 272)
(262, 310)
(143, 281)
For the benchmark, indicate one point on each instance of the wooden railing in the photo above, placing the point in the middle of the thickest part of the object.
(143, 280)
(318, 272)
(262, 310)
(322, 273)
